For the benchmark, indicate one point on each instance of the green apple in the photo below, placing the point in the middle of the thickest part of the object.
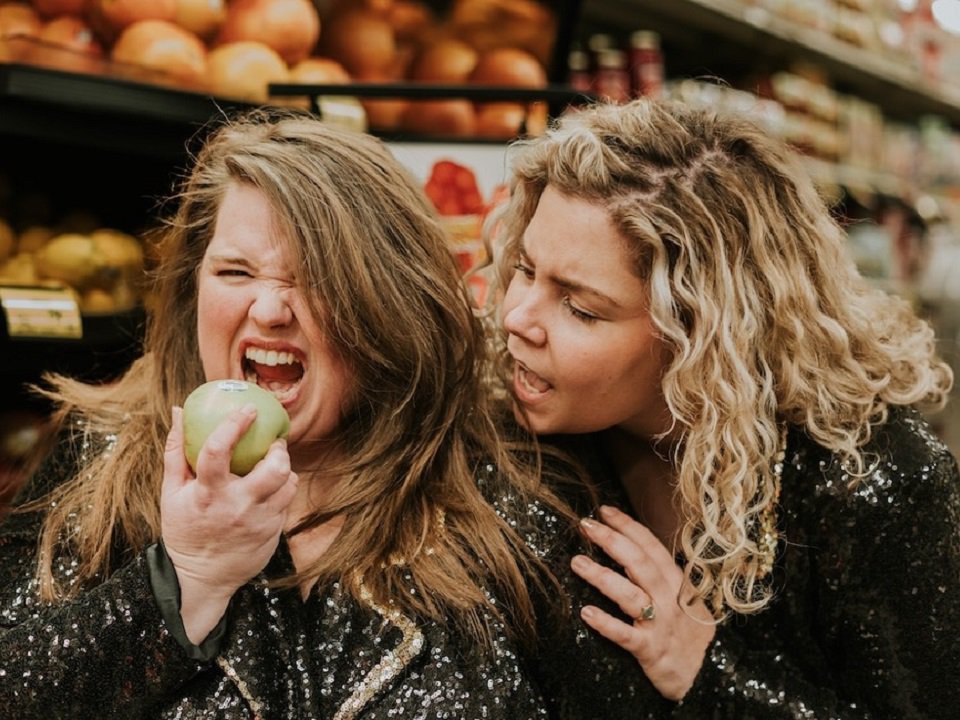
(209, 404)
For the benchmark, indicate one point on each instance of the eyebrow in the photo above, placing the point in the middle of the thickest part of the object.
(572, 285)
(230, 259)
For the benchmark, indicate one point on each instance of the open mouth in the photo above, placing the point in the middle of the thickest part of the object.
(278, 371)
(530, 381)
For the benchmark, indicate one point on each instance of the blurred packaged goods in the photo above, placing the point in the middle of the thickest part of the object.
(646, 64)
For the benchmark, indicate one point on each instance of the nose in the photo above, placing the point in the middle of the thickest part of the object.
(271, 307)
(521, 316)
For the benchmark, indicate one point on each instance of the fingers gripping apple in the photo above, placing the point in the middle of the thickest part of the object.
(209, 404)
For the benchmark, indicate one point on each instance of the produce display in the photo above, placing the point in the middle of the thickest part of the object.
(236, 48)
(454, 191)
(104, 266)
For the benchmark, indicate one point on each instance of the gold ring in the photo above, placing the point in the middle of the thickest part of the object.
(646, 613)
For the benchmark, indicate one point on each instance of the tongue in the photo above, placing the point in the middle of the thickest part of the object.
(278, 373)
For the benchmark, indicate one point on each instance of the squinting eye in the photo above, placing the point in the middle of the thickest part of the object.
(232, 272)
(527, 271)
(577, 312)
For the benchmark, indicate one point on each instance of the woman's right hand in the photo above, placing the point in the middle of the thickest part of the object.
(220, 529)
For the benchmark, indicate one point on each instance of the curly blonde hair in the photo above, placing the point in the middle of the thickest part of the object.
(750, 286)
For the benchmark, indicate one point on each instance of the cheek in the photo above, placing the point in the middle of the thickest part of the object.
(644, 375)
(207, 341)
(614, 369)
(212, 311)
(217, 317)
(333, 395)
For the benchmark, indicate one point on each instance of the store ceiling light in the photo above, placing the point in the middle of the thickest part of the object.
(947, 15)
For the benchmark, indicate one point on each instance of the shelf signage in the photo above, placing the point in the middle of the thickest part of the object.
(41, 312)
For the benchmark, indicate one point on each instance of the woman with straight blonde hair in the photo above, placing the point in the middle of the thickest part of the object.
(395, 556)
(680, 309)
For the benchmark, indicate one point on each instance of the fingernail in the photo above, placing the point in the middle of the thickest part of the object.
(175, 412)
(588, 524)
(249, 409)
(588, 612)
(580, 563)
(607, 511)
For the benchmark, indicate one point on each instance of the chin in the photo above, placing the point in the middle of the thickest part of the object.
(534, 424)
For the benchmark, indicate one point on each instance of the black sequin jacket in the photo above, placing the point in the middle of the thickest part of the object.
(110, 653)
(866, 618)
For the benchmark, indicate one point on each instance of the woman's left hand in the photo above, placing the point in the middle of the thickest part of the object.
(667, 639)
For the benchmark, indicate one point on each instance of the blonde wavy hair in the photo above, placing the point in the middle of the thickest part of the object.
(385, 287)
(768, 321)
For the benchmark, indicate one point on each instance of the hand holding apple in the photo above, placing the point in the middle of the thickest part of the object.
(209, 404)
(220, 530)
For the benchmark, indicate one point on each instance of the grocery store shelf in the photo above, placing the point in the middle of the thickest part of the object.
(423, 91)
(556, 97)
(100, 111)
(110, 342)
(897, 88)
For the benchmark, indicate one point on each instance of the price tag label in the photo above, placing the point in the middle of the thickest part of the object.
(41, 312)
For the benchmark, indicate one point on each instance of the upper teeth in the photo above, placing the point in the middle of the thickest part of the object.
(269, 357)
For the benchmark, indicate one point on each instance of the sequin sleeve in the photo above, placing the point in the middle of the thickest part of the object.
(105, 654)
(867, 615)
(582, 675)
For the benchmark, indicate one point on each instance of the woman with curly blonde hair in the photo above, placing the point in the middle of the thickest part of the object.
(678, 297)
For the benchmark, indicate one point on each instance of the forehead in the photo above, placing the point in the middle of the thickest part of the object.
(570, 230)
(246, 224)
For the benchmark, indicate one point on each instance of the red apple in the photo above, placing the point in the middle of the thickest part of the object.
(118, 14)
(16, 20)
(319, 71)
(71, 32)
(446, 61)
(455, 118)
(19, 19)
(201, 17)
(508, 66)
(243, 70)
(165, 47)
(314, 71)
(385, 113)
(500, 120)
(56, 8)
(290, 27)
(68, 43)
(363, 41)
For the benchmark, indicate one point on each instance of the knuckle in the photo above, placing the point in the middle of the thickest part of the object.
(625, 637)
(637, 595)
(216, 447)
(605, 576)
(281, 464)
